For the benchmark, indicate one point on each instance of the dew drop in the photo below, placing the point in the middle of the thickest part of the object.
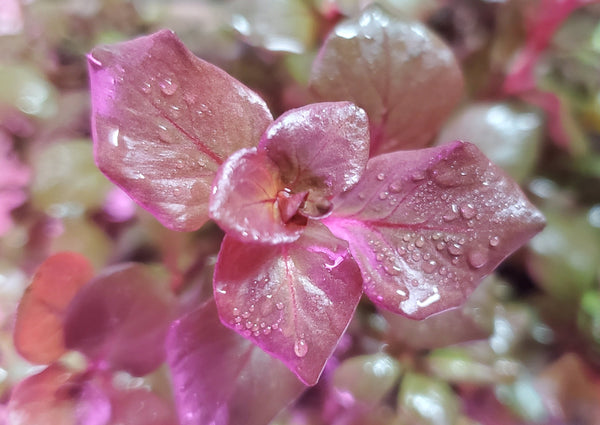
(429, 266)
(477, 259)
(380, 177)
(279, 306)
(146, 87)
(395, 187)
(383, 196)
(379, 257)
(418, 176)
(248, 324)
(267, 330)
(420, 242)
(168, 87)
(300, 348)
(236, 311)
(468, 211)
(245, 314)
(454, 249)
(494, 241)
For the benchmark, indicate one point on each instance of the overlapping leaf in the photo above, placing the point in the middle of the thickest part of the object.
(164, 120)
(293, 300)
(305, 158)
(398, 71)
(321, 148)
(38, 333)
(426, 226)
(222, 378)
(120, 320)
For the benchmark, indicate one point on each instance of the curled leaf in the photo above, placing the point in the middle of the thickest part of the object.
(426, 226)
(399, 72)
(38, 332)
(239, 382)
(321, 148)
(163, 122)
(247, 200)
(120, 320)
(293, 300)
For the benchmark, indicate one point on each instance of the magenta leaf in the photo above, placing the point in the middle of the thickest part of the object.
(44, 398)
(426, 226)
(396, 71)
(120, 319)
(293, 300)
(163, 122)
(220, 378)
(321, 148)
(249, 200)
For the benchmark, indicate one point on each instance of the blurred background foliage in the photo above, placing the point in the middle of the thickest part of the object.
(524, 349)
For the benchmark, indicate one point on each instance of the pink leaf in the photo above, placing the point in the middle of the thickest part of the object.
(426, 226)
(248, 201)
(38, 332)
(120, 320)
(399, 72)
(46, 398)
(321, 148)
(164, 120)
(220, 378)
(293, 300)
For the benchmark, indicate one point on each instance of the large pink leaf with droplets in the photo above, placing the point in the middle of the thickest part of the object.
(120, 320)
(38, 331)
(398, 71)
(221, 378)
(163, 122)
(320, 148)
(426, 226)
(293, 300)
(247, 200)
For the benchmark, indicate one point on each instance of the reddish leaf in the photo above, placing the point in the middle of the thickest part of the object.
(120, 320)
(404, 76)
(164, 120)
(426, 226)
(321, 148)
(293, 300)
(45, 398)
(246, 197)
(220, 378)
(38, 331)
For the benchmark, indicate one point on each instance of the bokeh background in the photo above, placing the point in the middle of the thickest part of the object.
(526, 347)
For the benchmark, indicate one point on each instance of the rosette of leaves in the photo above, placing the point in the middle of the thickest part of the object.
(118, 321)
(311, 221)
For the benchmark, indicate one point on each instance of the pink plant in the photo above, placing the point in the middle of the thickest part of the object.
(311, 222)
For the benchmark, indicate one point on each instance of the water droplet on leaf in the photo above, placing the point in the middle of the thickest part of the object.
(300, 348)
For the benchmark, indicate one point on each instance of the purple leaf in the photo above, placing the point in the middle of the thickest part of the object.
(426, 226)
(321, 148)
(44, 398)
(398, 71)
(249, 201)
(120, 320)
(293, 300)
(163, 122)
(220, 378)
